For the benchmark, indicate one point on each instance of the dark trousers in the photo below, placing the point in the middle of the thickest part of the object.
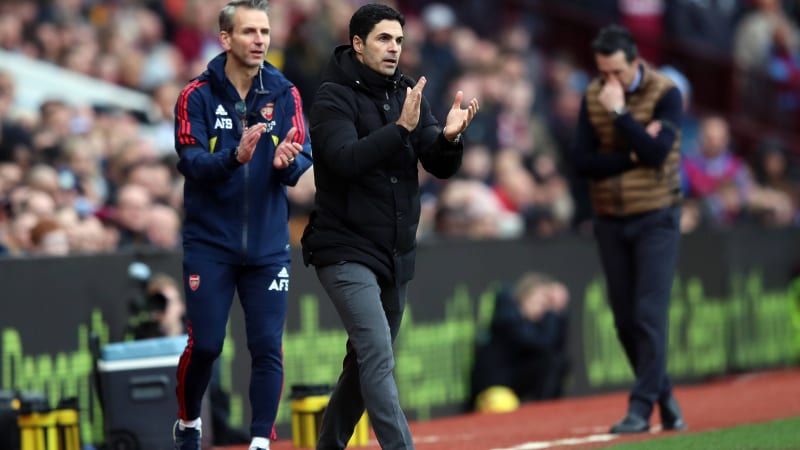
(639, 254)
(371, 312)
(263, 292)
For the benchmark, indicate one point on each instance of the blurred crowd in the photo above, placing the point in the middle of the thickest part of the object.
(83, 178)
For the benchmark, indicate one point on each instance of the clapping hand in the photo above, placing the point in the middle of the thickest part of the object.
(287, 150)
(409, 116)
(458, 118)
(247, 145)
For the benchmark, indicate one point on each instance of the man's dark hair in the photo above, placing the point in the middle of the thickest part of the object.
(367, 16)
(227, 11)
(614, 38)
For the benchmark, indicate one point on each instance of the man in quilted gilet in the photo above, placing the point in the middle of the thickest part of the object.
(627, 145)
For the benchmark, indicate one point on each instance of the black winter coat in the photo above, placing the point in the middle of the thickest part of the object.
(365, 168)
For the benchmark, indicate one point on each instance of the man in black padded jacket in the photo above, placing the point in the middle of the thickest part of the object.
(370, 126)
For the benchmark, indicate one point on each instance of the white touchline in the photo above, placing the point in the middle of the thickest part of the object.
(436, 438)
(566, 441)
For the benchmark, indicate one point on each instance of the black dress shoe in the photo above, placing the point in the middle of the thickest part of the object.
(671, 416)
(631, 423)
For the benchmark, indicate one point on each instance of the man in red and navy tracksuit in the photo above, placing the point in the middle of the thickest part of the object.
(242, 139)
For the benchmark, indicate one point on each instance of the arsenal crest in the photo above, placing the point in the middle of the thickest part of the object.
(267, 110)
(194, 282)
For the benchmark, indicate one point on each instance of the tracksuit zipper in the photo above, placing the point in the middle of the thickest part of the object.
(244, 221)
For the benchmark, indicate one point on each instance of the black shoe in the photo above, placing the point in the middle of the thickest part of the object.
(671, 416)
(631, 423)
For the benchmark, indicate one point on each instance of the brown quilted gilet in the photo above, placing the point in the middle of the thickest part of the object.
(643, 188)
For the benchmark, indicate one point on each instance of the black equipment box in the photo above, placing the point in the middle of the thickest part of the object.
(138, 383)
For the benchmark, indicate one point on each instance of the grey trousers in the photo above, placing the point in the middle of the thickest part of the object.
(371, 313)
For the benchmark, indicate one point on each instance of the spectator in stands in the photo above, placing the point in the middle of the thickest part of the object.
(40, 203)
(11, 175)
(645, 20)
(554, 192)
(52, 131)
(9, 178)
(438, 60)
(160, 60)
(627, 144)
(67, 217)
(476, 163)
(519, 192)
(517, 40)
(753, 43)
(707, 26)
(720, 185)
(17, 198)
(193, 35)
(43, 177)
(83, 164)
(512, 183)
(163, 228)
(125, 155)
(318, 26)
(15, 141)
(775, 175)
(131, 215)
(783, 68)
(155, 177)
(88, 236)
(164, 96)
(49, 238)
(471, 209)
(518, 127)
(561, 94)
(19, 239)
(717, 177)
(525, 346)
(756, 31)
(690, 125)
(170, 318)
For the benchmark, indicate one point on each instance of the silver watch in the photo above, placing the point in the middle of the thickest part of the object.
(455, 140)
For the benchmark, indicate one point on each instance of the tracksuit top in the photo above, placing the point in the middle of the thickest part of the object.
(237, 213)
